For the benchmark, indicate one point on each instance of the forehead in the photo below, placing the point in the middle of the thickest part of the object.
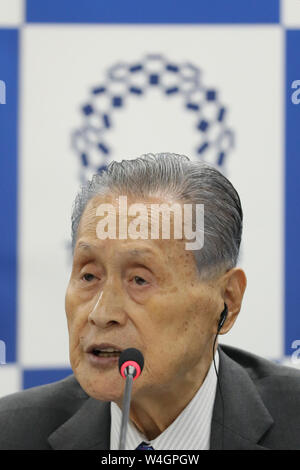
(110, 204)
(164, 248)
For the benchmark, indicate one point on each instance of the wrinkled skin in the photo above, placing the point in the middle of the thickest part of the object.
(154, 301)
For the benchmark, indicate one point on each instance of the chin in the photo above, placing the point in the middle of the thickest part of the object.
(100, 386)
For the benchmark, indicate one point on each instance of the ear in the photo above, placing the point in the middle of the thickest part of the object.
(233, 286)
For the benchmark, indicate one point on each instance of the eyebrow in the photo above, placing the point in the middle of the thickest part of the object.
(134, 252)
(85, 246)
(140, 252)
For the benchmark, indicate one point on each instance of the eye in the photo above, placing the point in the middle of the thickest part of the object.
(88, 277)
(139, 280)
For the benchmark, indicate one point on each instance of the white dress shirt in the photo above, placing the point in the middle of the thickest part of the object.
(190, 430)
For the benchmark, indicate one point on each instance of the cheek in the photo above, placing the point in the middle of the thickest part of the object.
(77, 304)
(70, 304)
(175, 313)
(77, 318)
(177, 331)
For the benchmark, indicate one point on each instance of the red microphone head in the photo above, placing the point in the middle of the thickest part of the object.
(131, 357)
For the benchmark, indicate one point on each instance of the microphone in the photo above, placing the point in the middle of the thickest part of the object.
(131, 363)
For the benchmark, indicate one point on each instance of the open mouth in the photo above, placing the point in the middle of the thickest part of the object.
(106, 352)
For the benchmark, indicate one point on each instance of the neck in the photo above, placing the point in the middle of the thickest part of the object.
(153, 411)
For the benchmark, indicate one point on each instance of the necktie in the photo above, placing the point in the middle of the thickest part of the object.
(144, 446)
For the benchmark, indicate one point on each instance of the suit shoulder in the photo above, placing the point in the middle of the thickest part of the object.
(278, 387)
(62, 392)
(30, 416)
(261, 369)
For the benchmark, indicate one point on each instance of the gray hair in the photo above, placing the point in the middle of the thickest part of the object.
(194, 182)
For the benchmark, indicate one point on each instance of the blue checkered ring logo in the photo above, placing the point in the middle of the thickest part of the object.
(124, 81)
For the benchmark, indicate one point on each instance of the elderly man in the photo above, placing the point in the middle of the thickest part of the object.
(133, 286)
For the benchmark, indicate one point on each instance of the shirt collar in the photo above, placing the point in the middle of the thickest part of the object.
(190, 430)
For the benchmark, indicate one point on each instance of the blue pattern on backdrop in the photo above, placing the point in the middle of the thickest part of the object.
(9, 55)
(292, 179)
(136, 80)
(35, 377)
(156, 11)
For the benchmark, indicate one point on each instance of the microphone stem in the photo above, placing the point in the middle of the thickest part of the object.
(126, 409)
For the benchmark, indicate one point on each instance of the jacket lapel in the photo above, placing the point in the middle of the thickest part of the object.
(88, 428)
(246, 419)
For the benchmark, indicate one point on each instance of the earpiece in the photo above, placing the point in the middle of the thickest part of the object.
(223, 317)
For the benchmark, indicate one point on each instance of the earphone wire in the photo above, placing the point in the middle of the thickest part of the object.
(219, 386)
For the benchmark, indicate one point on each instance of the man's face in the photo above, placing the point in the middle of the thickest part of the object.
(137, 293)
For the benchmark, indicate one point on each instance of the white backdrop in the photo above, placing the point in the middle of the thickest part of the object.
(59, 66)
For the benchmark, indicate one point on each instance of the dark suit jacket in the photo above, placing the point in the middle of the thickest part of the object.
(261, 405)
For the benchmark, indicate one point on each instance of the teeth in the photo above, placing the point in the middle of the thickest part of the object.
(106, 350)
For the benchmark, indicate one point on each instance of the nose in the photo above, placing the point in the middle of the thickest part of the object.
(108, 309)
